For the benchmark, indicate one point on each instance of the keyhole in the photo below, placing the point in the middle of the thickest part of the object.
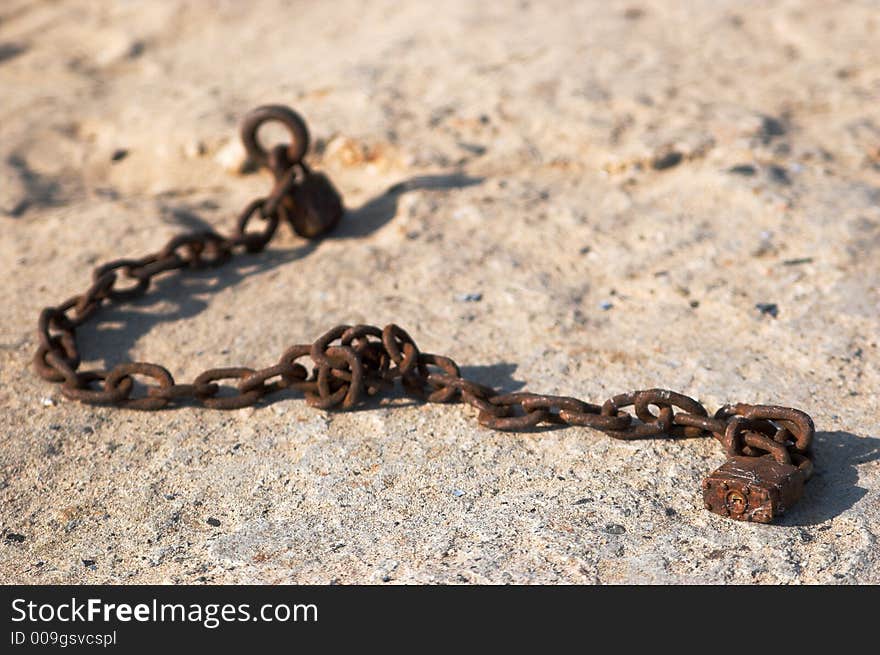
(736, 502)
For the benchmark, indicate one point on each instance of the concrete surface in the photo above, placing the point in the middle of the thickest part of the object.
(621, 182)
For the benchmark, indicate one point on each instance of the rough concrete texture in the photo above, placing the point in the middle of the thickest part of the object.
(620, 184)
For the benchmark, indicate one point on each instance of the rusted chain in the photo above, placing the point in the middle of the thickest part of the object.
(768, 445)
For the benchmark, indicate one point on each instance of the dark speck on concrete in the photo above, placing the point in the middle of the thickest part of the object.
(14, 537)
(770, 128)
(119, 154)
(779, 175)
(668, 160)
(89, 563)
(214, 522)
(107, 192)
(768, 308)
(615, 528)
(671, 512)
(743, 169)
(473, 148)
(137, 49)
(782, 149)
(10, 50)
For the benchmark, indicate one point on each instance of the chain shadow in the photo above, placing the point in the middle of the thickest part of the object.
(39, 190)
(498, 376)
(376, 212)
(833, 488)
(119, 327)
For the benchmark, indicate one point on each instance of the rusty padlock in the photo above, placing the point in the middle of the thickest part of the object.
(753, 488)
(316, 205)
(308, 200)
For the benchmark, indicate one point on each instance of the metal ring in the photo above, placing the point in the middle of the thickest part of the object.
(360, 330)
(126, 371)
(294, 123)
(521, 422)
(322, 344)
(660, 424)
(256, 241)
(325, 398)
(607, 423)
(287, 372)
(239, 400)
(798, 423)
(663, 397)
(391, 334)
(115, 267)
(447, 384)
(762, 442)
(53, 365)
(85, 394)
